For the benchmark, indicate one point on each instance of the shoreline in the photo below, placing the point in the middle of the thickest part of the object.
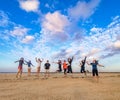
(60, 72)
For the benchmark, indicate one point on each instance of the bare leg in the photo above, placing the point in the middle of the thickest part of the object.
(48, 73)
(45, 73)
(38, 71)
(18, 73)
(29, 71)
(65, 73)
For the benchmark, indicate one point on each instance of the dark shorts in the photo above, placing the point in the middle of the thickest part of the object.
(82, 70)
(60, 69)
(47, 67)
(65, 71)
(95, 72)
(69, 69)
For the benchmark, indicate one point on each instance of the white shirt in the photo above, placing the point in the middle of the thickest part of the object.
(39, 63)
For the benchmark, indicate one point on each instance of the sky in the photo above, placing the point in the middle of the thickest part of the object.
(59, 29)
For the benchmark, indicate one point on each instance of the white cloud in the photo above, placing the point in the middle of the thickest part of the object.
(28, 39)
(54, 27)
(19, 31)
(93, 44)
(116, 20)
(93, 52)
(53, 38)
(107, 39)
(83, 9)
(55, 22)
(117, 44)
(29, 5)
(4, 20)
(95, 30)
(96, 44)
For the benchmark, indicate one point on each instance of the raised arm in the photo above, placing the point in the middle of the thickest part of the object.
(85, 59)
(88, 63)
(100, 65)
(36, 59)
(72, 58)
(41, 59)
(32, 65)
(24, 62)
(16, 61)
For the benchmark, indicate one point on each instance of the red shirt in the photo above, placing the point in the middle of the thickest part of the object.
(64, 65)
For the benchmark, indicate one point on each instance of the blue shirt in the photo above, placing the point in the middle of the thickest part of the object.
(29, 64)
(94, 66)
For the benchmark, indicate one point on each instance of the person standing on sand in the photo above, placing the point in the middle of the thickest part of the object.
(47, 67)
(94, 68)
(69, 65)
(29, 67)
(65, 66)
(82, 65)
(39, 61)
(20, 69)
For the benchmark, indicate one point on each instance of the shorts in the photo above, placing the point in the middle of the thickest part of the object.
(95, 72)
(82, 70)
(38, 68)
(29, 67)
(47, 68)
(65, 71)
(19, 67)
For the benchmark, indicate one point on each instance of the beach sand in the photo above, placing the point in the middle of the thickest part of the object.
(57, 87)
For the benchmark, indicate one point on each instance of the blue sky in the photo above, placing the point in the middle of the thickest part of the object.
(58, 29)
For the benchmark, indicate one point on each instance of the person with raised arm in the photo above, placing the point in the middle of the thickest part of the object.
(29, 66)
(39, 61)
(82, 65)
(20, 67)
(59, 65)
(94, 65)
(69, 65)
(65, 66)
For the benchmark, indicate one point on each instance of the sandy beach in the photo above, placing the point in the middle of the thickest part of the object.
(56, 87)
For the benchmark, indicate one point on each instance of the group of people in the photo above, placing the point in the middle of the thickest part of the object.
(94, 65)
(29, 64)
(67, 66)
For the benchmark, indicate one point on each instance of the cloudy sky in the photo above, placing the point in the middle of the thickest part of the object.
(58, 29)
